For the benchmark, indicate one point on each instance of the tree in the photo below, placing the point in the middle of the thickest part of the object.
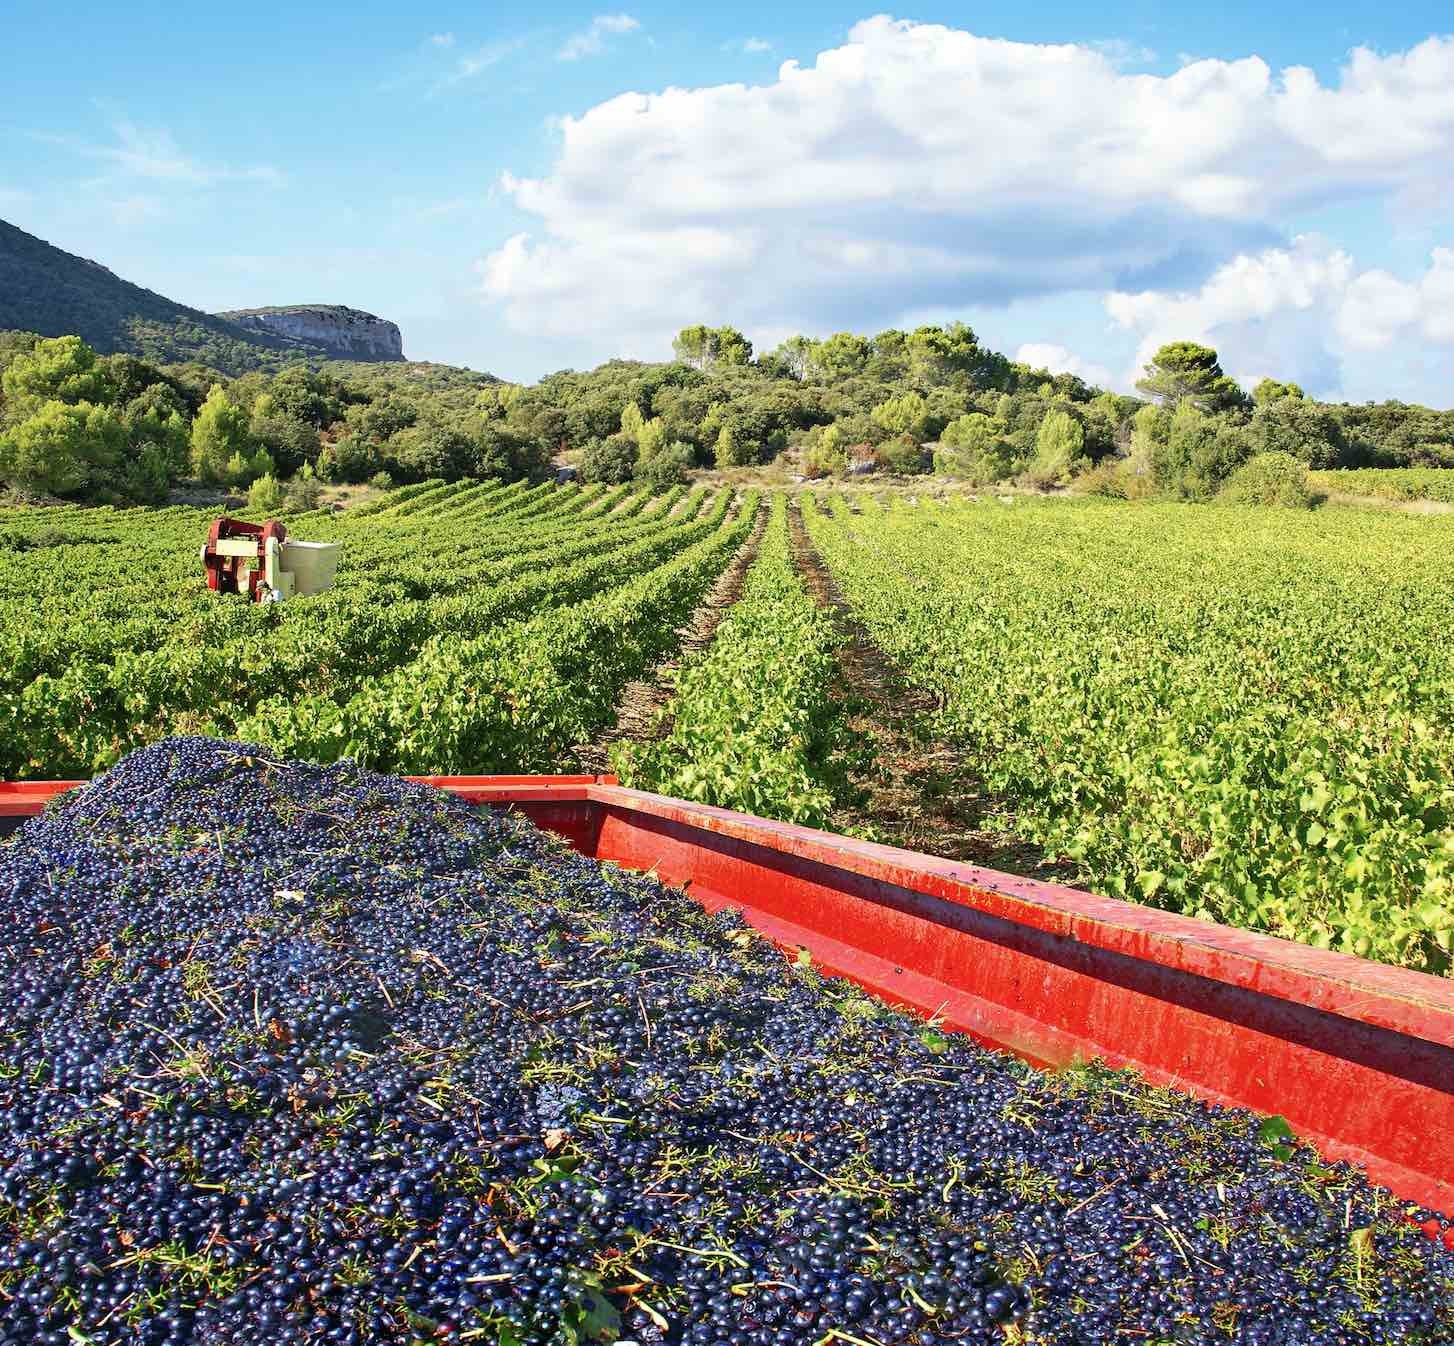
(1306, 430)
(889, 361)
(1270, 390)
(668, 466)
(163, 441)
(938, 353)
(61, 447)
(127, 377)
(702, 347)
(498, 400)
(903, 415)
(382, 419)
(693, 346)
(146, 475)
(509, 452)
(1270, 479)
(650, 441)
(823, 453)
(1199, 454)
(434, 448)
(611, 460)
(631, 421)
(841, 356)
(265, 496)
(733, 449)
(287, 436)
(62, 369)
(350, 458)
(161, 399)
(796, 356)
(1058, 446)
(730, 347)
(1184, 371)
(311, 398)
(219, 431)
(902, 454)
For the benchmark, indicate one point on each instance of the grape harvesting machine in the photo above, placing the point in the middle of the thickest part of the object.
(261, 561)
(1357, 1056)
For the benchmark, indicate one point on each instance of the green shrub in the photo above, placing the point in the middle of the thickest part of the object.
(381, 481)
(303, 494)
(612, 460)
(350, 458)
(265, 495)
(1274, 478)
(902, 455)
(823, 454)
(668, 466)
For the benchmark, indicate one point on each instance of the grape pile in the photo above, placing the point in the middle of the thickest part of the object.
(293, 1054)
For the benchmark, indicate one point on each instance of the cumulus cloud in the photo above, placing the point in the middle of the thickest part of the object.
(750, 46)
(1121, 53)
(919, 165)
(1300, 312)
(1058, 360)
(592, 40)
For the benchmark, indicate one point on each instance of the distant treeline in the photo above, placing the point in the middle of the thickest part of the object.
(73, 423)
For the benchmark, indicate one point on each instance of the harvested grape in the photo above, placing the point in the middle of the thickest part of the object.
(299, 1054)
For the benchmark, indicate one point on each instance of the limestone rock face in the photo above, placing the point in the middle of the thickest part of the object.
(347, 333)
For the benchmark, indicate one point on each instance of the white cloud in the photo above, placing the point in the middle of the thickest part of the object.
(1121, 53)
(441, 39)
(1058, 360)
(920, 165)
(591, 41)
(135, 209)
(1301, 312)
(154, 155)
(750, 46)
(469, 64)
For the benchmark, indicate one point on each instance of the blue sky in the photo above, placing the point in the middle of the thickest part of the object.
(1077, 182)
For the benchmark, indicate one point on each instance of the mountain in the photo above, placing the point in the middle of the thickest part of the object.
(347, 333)
(47, 290)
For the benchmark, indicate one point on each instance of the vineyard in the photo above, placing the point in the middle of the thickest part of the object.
(1389, 483)
(1238, 714)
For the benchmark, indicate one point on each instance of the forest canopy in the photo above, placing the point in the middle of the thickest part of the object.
(119, 427)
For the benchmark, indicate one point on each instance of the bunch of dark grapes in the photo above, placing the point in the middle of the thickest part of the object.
(292, 1054)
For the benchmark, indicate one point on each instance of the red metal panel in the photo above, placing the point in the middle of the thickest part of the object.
(24, 799)
(1358, 1056)
(471, 785)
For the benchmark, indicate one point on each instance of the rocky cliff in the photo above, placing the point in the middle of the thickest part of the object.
(345, 333)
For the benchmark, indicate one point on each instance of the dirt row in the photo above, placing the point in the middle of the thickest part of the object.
(922, 795)
(639, 714)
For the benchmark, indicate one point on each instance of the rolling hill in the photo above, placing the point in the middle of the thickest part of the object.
(55, 293)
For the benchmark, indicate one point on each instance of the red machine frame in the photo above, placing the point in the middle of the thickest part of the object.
(225, 573)
(1358, 1056)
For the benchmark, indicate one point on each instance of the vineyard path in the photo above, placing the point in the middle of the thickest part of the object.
(639, 715)
(923, 795)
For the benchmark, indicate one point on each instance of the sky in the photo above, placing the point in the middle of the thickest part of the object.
(525, 188)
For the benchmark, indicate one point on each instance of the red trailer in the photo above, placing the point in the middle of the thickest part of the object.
(1359, 1057)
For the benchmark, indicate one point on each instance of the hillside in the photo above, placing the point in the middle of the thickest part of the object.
(47, 290)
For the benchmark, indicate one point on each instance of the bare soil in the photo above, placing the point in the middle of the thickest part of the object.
(922, 794)
(640, 713)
